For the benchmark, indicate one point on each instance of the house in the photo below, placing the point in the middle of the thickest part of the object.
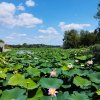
(2, 46)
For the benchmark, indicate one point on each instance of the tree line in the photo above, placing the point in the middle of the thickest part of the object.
(25, 45)
(76, 39)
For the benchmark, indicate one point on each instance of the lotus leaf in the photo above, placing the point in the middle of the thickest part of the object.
(33, 71)
(95, 77)
(82, 82)
(50, 82)
(13, 94)
(78, 96)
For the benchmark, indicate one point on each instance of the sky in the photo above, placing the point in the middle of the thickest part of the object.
(44, 21)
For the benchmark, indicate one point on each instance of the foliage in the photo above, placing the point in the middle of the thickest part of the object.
(71, 39)
(1, 41)
(76, 39)
(25, 74)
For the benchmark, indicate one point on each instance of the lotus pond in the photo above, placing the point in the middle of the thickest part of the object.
(49, 74)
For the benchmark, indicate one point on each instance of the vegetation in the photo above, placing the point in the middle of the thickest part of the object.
(28, 73)
(25, 45)
(76, 39)
(45, 74)
(1, 41)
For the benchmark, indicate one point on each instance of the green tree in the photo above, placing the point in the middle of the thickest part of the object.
(71, 39)
(87, 38)
(1, 41)
(97, 31)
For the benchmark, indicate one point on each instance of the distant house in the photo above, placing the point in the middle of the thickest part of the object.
(2, 46)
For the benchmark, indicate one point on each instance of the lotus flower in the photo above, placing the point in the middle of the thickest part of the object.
(70, 65)
(53, 73)
(76, 61)
(52, 91)
(90, 62)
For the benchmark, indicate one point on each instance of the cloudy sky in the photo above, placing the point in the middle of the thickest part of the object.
(44, 21)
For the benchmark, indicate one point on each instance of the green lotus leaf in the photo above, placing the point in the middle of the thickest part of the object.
(19, 80)
(98, 92)
(82, 82)
(18, 66)
(38, 95)
(66, 86)
(4, 69)
(82, 58)
(48, 98)
(46, 70)
(50, 83)
(5, 82)
(63, 96)
(97, 86)
(2, 75)
(97, 67)
(3, 72)
(33, 71)
(95, 77)
(0, 92)
(78, 96)
(65, 68)
(29, 84)
(76, 71)
(13, 94)
(89, 93)
(16, 79)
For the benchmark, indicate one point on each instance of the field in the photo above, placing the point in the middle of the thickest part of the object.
(49, 74)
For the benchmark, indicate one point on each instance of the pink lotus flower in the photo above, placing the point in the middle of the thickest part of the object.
(52, 91)
(90, 62)
(53, 73)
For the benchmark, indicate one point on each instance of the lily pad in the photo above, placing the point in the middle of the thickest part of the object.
(29, 84)
(95, 77)
(78, 96)
(82, 82)
(33, 71)
(16, 79)
(13, 94)
(19, 80)
(50, 82)
(98, 92)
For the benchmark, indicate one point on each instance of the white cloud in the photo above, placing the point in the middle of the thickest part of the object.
(27, 20)
(49, 30)
(49, 36)
(15, 35)
(7, 9)
(49, 33)
(21, 7)
(42, 38)
(30, 3)
(65, 27)
(8, 17)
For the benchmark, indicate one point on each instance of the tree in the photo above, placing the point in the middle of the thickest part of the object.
(97, 30)
(1, 41)
(87, 38)
(71, 39)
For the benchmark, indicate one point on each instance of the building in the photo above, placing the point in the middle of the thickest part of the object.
(1, 46)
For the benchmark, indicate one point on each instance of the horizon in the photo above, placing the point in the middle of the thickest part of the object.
(44, 22)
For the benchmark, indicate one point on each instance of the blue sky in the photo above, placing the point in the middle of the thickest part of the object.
(44, 21)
